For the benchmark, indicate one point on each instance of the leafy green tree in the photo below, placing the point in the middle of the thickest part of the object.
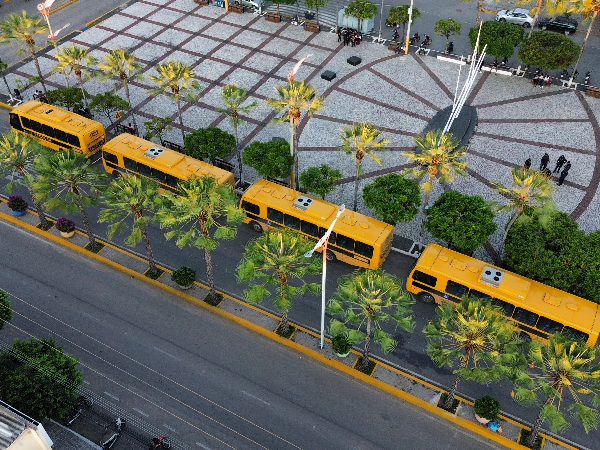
(17, 154)
(274, 258)
(320, 180)
(361, 9)
(21, 29)
(74, 59)
(209, 143)
(561, 365)
(121, 63)
(177, 79)
(360, 140)
(156, 127)
(393, 198)
(464, 221)
(399, 14)
(5, 308)
(436, 154)
(67, 181)
(199, 208)
(370, 298)
(108, 104)
(233, 96)
(270, 159)
(589, 10)
(130, 197)
(39, 378)
(477, 336)
(292, 99)
(70, 98)
(501, 38)
(447, 28)
(316, 5)
(548, 50)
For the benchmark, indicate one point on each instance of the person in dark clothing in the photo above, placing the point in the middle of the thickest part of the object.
(527, 163)
(548, 172)
(563, 175)
(559, 163)
(544, 162)
(339, 33)
(567, 166)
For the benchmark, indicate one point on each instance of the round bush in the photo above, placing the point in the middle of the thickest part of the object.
(184, 276)
(487, 407)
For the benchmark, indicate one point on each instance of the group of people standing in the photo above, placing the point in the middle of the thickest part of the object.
(541, 81)
(560, 162)
(39, 95)
(350, 37)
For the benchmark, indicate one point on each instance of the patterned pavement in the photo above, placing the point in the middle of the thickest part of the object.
(399, 94)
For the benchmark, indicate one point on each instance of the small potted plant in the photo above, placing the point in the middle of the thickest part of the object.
(486, 409)
(17, 205)
(66, 227)
(341, 345)
(184, 277)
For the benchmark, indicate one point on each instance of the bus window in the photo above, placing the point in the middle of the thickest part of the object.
(15, 122)
(549, 326)
(526, 317)
(110, 157)
(48, 130)
(130, 164)
(246, 206)
(309, 228)
(424, 278)
(172, 181)
(345, 242)
(332, 236)
(274, 215)
(158, 175)
(576, 334)
(61, 135)
(507, 307)
(143, 169)
(291, 221)
(73, 140)
(456, 289)
(480, 295)
(35, 126)
(363, 249)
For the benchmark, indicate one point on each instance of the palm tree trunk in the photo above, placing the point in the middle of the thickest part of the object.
(178, 101)
(537, 14)
(506, 230)
(149, 252)
(39, 71)
(356, 186)
(452, 392)
(292, 152)
(285, 323)
(44, 222)
(587, 35)
(479, 8)
(126, 87)
(277, 8)
(317, 9)
(365, 358)
(80, 82)
(6, 83)
(210, 274)
(537, 425)
(239, 153)
(86, 223)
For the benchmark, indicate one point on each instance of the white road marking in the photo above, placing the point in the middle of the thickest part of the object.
(170, 428)
(203, 446)
(168, 354)
(140, 411)
(112, 396)
(259, 399)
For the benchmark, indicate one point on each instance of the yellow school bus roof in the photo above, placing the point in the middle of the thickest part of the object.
(162, 158)
(537, 297)
(67, 121)
(352, 224)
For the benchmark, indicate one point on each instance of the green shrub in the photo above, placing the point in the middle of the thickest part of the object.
(487, 407)
(184, 276)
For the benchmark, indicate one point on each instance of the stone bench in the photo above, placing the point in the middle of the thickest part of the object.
(592, 91)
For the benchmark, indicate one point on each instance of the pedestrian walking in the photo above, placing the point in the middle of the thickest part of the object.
(563, 175)
(567, 166)
(339, 33)
(559, 163)
(544, 161)
(548, 173)
(527, 163)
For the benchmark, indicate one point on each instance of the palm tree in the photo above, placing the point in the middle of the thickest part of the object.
(436, 154)
(293, 98)
(17, 154)
(551, 7)
(3, 67)
(274, 258)
(199, 206)
(233, 96)
(531, 188)
(62, 180)
(559, 365)
(74, 59)
(121, 63)
(589, 10)
(21, 29)
(476, 335)
(130, 196)
(370, 297)
(360, 140)
(177, 79)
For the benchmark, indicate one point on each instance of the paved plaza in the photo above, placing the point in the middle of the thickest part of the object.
(399, 94)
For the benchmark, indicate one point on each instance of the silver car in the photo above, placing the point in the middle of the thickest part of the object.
(252, 4)
(518, 16)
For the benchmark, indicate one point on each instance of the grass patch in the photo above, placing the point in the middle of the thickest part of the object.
(523, 440)
(214, 300)
(443, 400)
(154, 274)
(99, 246)
(49, 224)
(290, 332)
(367, 370)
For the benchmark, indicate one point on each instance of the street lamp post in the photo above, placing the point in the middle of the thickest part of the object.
(408, 28)
(380, 22)
(323, 243)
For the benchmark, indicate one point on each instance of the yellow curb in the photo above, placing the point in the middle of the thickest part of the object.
(4, 105)
(61, 7)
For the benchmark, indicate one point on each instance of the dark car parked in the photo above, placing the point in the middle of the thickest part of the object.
(561, 23)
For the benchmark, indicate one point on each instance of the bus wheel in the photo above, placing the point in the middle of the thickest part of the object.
(426, 297)
(256, 227)
(116, 174)
(330, 256)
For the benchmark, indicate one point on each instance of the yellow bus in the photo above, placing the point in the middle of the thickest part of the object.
(130, 154)
(356, 239)
(538, 310)
(57, 128)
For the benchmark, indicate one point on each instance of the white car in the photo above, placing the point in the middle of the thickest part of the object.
(518, 16)
(252, 4)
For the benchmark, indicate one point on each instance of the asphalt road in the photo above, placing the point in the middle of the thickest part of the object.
(203, 380)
